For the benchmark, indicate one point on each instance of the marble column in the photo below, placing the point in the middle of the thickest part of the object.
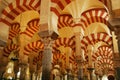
(46, 64)
(116, 46)
(48, 34)
(68, 53)
(24, 73)
(90, 64)
(47, 39)
(117, 65)
(90, 69)
(78, 32)
(90, 52)
(96, 73)
(117, 33)
(85, 71)
(80, 68)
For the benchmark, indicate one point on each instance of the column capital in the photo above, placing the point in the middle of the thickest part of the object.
(47, 42)
(78, 30)
(51, 34)
(76, 20)
(48, 37)
(90, 47)
(79, 59)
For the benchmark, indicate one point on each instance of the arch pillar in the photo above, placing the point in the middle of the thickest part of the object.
(78, 33)
(90, 64)
(116, 46)
(47, 39)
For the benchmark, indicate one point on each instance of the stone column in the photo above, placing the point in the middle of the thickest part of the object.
(85, 71)
(96, 67)
(90, 66)
(47, 39)
(90, 52)
(24, 71)
(117, 33)
(117, 65)
(47, 59)
(90, 69)
(100, 72)
(96, 73)
(80, 68)
(67, 53)
(116, 46)
(33, 69)
(78, 32)
(46, 65)
(48, 34)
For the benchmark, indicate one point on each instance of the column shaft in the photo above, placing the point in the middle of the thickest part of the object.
(116, 46)
(46, 64)
(79, 56)
(90, 72)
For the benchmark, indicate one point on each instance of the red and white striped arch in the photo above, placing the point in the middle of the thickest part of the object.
(104, 52)
(94, 38)
(94, 15)
(38, 58)
(33, 47)
(58, 56)
(17, 7)
(58, 5)
(32, 28)
(10, 48)
(14, 30)
(105, 63)
(65, 21)
(73, 59)
(66, 42)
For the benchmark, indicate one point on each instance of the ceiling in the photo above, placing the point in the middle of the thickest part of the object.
(89, 18)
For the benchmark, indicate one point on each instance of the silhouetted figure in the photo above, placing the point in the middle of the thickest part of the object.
(111, 77)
